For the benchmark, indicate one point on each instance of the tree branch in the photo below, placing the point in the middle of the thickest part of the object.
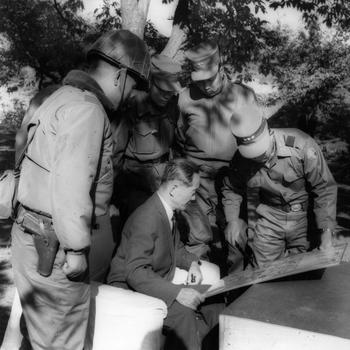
(59, 12)
(179, 31)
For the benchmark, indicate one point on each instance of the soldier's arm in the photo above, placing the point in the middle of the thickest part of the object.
(180, 133)
(323, 186)
(175, 148)
(232, 196)
(76, 157)
(121, 136)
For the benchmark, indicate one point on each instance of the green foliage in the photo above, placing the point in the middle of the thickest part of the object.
(41, 34)
(313, 76)
(240, 33)
(108, 17)
(154, 40)
(49, 35)
(232, 23)
(12, 119)
(308, 64)
(334, 12)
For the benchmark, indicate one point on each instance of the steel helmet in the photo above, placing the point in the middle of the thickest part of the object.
(122, 48)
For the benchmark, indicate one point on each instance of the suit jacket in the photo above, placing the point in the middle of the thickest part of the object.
(148, 253)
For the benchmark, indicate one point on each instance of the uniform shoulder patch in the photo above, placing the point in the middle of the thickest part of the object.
(289, 141)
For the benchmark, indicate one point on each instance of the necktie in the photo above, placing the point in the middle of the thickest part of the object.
(173, 224)
(173, 228)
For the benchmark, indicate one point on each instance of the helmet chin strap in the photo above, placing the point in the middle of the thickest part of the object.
(125, 71)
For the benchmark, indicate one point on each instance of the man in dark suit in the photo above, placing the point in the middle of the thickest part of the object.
(150, 250)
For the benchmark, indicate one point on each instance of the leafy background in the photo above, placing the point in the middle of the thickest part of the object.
(302, 78)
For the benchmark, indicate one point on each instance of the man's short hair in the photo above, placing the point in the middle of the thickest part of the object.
(181, 170)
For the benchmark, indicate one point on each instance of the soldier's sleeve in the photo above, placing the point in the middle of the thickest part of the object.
(180, 134)
(76, 158)
(22, 133)
(323, 185)
(121, 137)
(232, 195)
(138, 263)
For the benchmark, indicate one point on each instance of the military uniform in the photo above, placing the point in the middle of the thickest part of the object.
(65, 185)
(70, 154)
(285, 183)
(204, 136)
(151, 135)
(148, 130)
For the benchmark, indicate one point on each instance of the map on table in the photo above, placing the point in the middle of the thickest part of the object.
(291, 265)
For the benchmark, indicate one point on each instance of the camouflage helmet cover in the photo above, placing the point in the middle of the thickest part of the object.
(125, 49)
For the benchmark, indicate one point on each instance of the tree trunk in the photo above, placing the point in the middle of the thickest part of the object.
(176, 40)
(179, 31)
(134, 15)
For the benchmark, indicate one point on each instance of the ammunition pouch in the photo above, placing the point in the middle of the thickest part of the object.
(44, 236)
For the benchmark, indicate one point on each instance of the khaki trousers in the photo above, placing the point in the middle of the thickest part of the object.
(55, 309)
(278, 234)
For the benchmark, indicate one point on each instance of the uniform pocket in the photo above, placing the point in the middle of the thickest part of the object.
(293, 181)
(145, 137)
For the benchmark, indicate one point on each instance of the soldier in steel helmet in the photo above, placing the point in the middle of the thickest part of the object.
(64, 190)
(148, 125)
(148, 128)
(286, 169)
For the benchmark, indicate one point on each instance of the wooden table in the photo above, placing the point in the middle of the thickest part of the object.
(291, 315)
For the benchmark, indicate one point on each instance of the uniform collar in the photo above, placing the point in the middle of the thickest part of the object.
(281, 150)
(84, 81)
(144, 105)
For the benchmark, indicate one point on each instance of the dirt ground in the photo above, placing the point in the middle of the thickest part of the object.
(6, 276)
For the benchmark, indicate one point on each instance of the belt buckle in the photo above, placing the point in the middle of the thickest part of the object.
(296, 207)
